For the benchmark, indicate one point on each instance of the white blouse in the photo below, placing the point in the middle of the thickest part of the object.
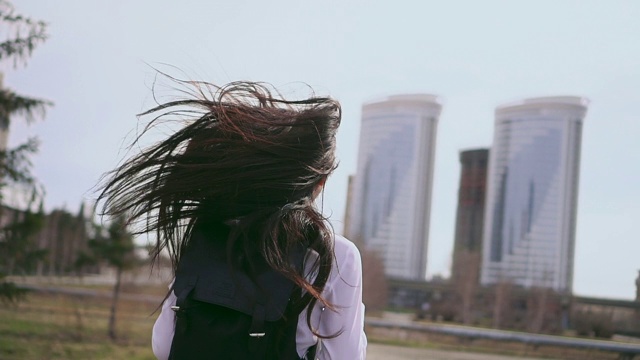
(343, 289)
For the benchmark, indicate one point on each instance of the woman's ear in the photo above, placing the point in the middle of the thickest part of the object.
(319, 187)
(322, 182)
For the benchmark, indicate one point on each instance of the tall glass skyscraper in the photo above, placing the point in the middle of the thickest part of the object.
(391, 195)
(530, 219)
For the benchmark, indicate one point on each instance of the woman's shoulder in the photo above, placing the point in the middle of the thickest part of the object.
(345, 249)
(346, 262)
(348, 265)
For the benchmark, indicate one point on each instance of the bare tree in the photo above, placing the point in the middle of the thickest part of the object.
(466, 282)
(537, 304)
(375, 288)
(502, 303)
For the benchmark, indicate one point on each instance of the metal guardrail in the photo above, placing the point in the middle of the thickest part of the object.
(626, 351)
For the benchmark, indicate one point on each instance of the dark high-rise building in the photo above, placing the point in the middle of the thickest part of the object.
(470, 213)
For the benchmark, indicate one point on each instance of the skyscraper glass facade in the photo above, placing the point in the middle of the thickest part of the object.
(392, 189)
(529, 235)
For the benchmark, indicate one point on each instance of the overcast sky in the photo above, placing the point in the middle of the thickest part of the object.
(475, 55)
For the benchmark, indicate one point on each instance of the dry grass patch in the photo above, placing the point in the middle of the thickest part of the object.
(50, 326)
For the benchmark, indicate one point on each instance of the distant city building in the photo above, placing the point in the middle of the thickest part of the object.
(530, 218)
(347, 210)
(391, 195)
(470, 212)
(638, 287)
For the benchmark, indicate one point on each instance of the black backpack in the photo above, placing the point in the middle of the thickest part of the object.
(226, 314)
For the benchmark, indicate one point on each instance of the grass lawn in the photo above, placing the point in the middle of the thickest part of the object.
(49, 326)
(72, 327)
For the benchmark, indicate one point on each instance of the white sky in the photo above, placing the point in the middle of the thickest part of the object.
(474, 54)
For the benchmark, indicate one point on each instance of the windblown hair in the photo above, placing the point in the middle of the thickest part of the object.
(245, 158)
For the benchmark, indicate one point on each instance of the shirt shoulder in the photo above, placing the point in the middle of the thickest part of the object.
(345, 249)
(348, 264)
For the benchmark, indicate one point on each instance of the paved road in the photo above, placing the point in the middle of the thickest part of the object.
(388, 352)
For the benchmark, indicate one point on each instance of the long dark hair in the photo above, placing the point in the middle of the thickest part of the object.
(244, 157)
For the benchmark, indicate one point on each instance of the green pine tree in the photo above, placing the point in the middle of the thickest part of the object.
(23, 36)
